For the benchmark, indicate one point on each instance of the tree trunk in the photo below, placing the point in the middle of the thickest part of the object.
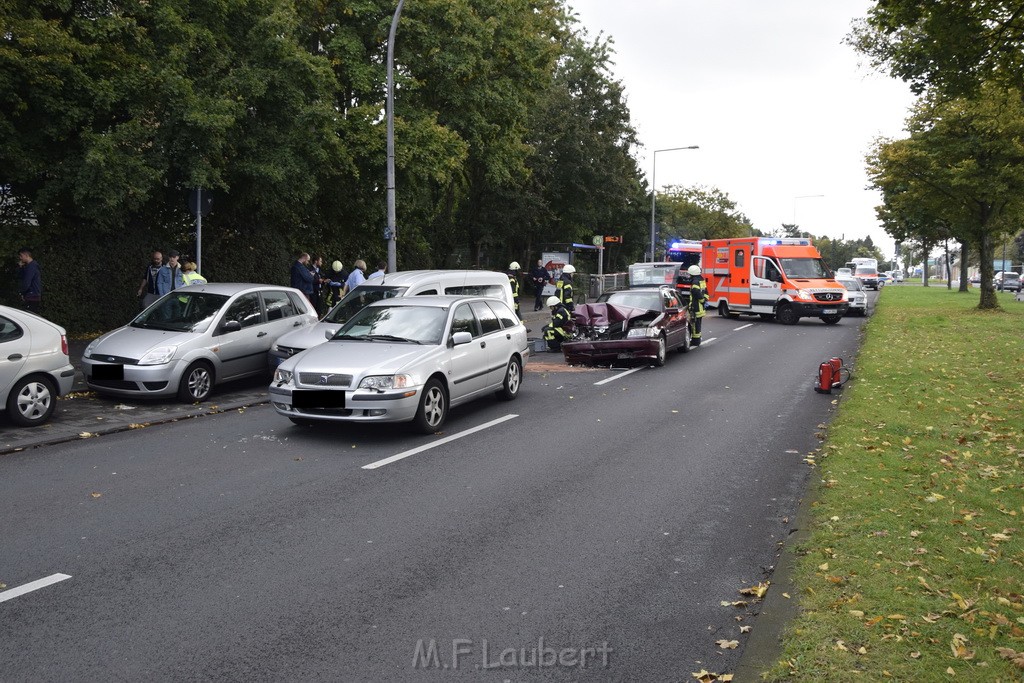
(926, 248)
(986, 252)
(965, 278)
(949, 274)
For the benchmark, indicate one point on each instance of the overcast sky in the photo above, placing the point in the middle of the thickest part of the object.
(780, 107)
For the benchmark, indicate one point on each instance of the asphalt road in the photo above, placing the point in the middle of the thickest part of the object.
(602, 519)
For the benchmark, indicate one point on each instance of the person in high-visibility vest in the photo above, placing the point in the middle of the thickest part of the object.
(513, 280)
(557, 331)
(564, 287)
(698, 297)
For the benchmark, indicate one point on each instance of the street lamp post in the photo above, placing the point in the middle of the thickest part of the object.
(390, 232)
(803, 196)
(654, 171)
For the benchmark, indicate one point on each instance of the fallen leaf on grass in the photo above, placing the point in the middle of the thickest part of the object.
(1015, 658)
(959, 647)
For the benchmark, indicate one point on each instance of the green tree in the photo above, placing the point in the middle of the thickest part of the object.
(959, 175)
(699, 213)
(950, 46)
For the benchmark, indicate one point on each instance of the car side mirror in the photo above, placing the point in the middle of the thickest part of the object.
(460, 338)
(232, 326)
(329, 334)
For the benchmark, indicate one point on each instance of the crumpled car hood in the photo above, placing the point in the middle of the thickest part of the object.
(594, 315)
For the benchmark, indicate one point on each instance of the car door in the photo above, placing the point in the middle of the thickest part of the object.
(283, 315)
(765, 283)
(15, 346)
(675, 317)
(242, 351)
(496, 340)
(469, 362)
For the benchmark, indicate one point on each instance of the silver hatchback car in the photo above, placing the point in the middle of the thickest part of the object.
(34, 366)
(193, 338)
(406, 359)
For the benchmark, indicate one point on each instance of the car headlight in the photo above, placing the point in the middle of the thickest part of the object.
(641, 332)
(283, 376)
(158, 356)
(382, 382)
(804, 295)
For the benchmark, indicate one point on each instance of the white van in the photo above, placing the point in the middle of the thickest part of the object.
(408, 283)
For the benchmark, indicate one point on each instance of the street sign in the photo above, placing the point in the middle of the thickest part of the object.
(598, 240)
(194, 201)
(613, 239)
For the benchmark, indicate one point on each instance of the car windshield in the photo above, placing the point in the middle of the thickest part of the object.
(358, 299)
(414, 324)
(181, 311)
(805, 268)
(649, 300)
(853, 285)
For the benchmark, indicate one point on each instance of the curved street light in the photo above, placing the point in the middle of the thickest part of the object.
(654, 171)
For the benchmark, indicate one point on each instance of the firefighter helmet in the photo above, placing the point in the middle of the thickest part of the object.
(693, 270)
(336, 266)
(569, 268)
(553, 301)
(514, 265)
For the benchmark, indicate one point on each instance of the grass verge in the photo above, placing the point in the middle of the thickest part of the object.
(914, 568)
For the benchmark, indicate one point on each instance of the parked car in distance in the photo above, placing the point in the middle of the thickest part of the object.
(844, 272)
(406, 359)
(630, 324)
(975, 279)
(895, 275)
(883, 279)
(855, 293)
(868, 276)
(1007, 281)
(34, 366)
(404, 283)
(194, 338)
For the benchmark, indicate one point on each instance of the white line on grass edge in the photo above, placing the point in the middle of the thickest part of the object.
(439, 442)
(33, 586)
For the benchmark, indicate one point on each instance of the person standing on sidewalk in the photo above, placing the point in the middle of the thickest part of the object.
(357, 276)
(539, 277)
(169, 276)
(147, 290)
(302, 277)
(30, 282)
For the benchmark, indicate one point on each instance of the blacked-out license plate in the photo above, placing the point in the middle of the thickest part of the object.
(108, 372)
(830, 311)
(318, 399)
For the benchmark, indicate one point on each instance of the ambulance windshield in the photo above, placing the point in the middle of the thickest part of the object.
(805, 268)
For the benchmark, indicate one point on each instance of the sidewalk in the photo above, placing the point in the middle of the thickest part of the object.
(84, 414)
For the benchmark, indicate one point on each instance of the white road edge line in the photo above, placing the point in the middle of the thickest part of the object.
(742, 327)
(705, 342)
(33, 586)
(439, 442)
(615, 377)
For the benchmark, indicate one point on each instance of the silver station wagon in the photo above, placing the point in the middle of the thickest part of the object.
(406, 359)
(194, 338)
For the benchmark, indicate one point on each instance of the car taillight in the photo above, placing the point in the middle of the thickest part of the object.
(64, 344)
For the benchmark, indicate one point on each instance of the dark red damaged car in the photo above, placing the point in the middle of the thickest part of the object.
(631, 324)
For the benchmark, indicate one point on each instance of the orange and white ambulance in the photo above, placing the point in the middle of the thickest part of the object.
(774, 277)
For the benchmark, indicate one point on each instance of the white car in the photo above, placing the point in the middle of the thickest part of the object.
(34, 366)
(194, 338)
(406, 359)
(844, 273)
(855, 293)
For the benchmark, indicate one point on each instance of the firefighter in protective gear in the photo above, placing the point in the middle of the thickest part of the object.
(564, 287)
(513, 280)
(698, 297)
(557, 331)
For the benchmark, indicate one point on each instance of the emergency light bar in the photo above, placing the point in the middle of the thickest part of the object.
(791, 241)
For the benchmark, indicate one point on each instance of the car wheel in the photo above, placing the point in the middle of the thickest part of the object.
(687, 340)
(831, 319)
(196, 383)
(433, 408)
(32, 401)
(513, 380)
(786, 315)
(723, 309)
(659, 359)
